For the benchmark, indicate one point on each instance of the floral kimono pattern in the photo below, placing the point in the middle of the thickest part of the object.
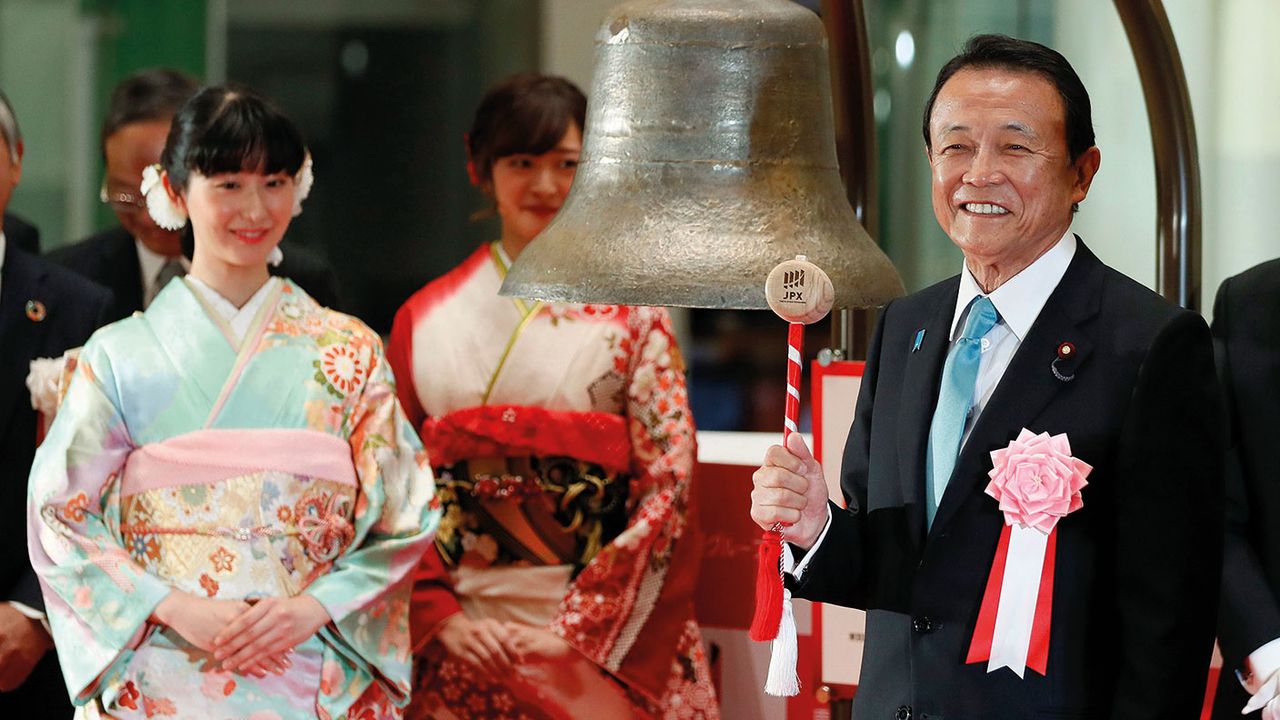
(526, 409)
(184, 459)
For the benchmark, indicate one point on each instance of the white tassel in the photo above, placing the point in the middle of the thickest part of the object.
(785, 652)
(275, 257)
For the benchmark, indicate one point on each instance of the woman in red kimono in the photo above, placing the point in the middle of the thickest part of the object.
(562, 577)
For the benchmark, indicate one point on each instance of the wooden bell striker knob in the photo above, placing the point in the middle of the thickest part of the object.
(799, 291)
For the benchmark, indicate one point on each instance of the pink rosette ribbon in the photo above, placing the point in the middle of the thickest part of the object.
(1037, 482)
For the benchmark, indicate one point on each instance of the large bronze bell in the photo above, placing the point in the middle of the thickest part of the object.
(708, 158)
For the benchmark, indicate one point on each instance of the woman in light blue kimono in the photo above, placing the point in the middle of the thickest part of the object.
(227, 505)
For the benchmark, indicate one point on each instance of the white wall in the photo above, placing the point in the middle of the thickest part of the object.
(1243, 145)
(568, 34)
(1232, 63)
(46, 69)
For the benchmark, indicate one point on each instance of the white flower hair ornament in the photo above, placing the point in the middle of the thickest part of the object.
(302, 183)
(163, 211)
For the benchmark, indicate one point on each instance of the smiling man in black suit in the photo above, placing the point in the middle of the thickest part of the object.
(1034, 369)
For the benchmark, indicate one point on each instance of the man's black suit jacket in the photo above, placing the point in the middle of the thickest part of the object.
(22, 233)
(73, 308)
(1246, 335)
(1138, 566)
(110, 258)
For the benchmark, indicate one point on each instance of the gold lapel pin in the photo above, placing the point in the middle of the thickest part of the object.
(36, 311)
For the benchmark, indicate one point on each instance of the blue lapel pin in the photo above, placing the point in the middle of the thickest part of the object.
(919, 339)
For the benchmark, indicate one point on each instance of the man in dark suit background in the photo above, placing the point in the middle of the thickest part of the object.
(44, 310)
(1246, 334)
(18, 231)
(136, 258)
(1035, 333)
(21, 233)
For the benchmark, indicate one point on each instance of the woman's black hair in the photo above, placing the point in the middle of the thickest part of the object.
(229, 129)
(523, 114)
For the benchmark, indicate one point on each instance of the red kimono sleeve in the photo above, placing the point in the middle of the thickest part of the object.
(433, 600)
(631, 609)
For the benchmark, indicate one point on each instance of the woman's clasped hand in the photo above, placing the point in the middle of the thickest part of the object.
(495, 647)
(247, 637)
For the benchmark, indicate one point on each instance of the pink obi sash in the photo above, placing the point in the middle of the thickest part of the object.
(321, 519)
(208, 456)
(519, 430)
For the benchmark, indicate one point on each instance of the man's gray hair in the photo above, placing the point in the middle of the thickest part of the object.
(9, 127)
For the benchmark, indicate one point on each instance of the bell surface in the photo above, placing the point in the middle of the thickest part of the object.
(708, 158)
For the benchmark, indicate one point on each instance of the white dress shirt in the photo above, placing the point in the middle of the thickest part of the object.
(1019, 302)
(1259, 668)
(149, 264)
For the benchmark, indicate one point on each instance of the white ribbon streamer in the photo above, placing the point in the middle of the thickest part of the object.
(1019, 591)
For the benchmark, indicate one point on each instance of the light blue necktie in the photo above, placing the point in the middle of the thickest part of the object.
(959, 376)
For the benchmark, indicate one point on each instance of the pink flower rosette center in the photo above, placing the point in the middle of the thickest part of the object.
(1036, 480)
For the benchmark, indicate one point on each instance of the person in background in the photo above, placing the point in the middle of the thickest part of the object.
(560, 583)
(44, 311)
(230, 500)
(137, 258)
(1246, 336)
(20, 232)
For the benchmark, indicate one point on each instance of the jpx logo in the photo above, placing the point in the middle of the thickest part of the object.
(793, 286)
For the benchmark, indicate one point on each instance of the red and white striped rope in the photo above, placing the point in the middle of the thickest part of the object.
(795, 366)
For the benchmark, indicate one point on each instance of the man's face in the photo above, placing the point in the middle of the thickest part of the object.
(1003, 181)
(129, 150)
(10, 172)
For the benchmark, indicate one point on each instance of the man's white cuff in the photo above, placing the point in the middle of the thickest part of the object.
(30, 612)
(804, 561)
